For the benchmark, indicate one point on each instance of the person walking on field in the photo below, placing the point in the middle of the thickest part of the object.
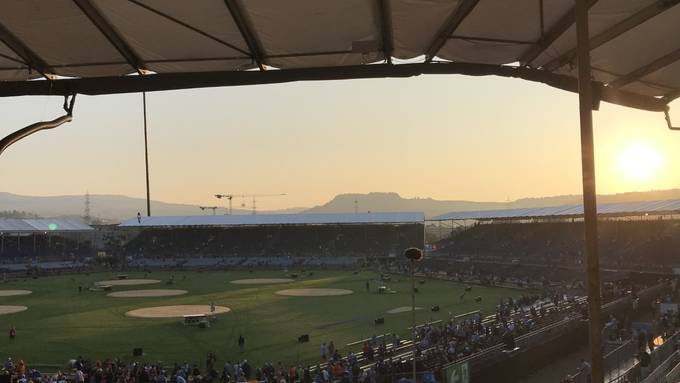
(241, 343)
(12, 333)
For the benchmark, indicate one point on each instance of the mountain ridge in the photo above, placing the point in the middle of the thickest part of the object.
(115, 208)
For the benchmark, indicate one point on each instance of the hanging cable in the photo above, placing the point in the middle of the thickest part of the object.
(42, 125)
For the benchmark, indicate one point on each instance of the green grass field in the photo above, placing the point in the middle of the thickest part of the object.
(61, 323)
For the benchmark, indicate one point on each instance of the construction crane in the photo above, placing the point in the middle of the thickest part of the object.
(230, 197)
(213, 208)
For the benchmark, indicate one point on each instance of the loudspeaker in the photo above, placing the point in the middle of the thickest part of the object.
(413, 254)
(435, 308)
(137, 351)
(303, 338)
(380, 320)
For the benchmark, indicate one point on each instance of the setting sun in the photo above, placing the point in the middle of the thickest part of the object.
(640, 162)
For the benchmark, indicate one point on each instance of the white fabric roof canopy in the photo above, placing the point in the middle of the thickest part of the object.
(634, 44)
(277, 219)
(618, 208)
(42, 225)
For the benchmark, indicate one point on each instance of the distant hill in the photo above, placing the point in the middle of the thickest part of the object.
(114, 208)
(387, 202)
(384, 202)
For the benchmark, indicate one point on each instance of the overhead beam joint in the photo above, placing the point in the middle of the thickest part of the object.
(449, 27)
(247, 33)
(111, 34)
(548, 38)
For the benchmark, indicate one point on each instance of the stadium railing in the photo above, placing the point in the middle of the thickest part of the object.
(660, 373)
(621, 365)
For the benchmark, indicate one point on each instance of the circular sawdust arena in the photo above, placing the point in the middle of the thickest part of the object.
(147, 293)
(261, 281)
(127, 282)
(11, 293)
(176, 311)
(402, 309)
(312, 292)
(12, 309)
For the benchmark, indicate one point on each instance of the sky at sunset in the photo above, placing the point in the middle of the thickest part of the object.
(446, 137)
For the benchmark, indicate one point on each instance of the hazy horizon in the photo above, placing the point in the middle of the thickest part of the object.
(248, 201)
(444, 137)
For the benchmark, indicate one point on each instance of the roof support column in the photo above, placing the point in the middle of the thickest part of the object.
(585, 91)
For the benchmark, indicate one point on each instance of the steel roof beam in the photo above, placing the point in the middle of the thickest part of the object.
(547, 39)
(256, 50)
(31, 59)
(187, 26)
(615, 31)
(386, 29)
(111, 34)
(648, 69)
(449, 27)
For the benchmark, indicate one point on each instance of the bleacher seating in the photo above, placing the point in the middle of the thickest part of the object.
(625, 244)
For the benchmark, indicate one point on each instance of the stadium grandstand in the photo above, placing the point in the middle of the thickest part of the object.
(56, 242)
(274, 239)
(549, 241)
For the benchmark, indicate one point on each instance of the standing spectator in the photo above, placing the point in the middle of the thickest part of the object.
(241, 343)
(79, 376)
(645, 360)
(323, 351)
(331, 349)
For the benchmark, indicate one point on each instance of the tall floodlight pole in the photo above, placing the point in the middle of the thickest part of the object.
(585, 93)
(413, 254)
(146, 159)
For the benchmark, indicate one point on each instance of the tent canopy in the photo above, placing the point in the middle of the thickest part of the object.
(93, 46)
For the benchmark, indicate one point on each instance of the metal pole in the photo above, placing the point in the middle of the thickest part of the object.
(589, 193)
(146, 159)
(413, 314)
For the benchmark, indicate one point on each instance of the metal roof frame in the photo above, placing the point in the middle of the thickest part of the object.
(615, 31)
(170, 81)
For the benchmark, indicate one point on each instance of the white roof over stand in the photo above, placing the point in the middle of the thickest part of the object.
(619, 208)
(276, 219)
(181, 44)
(42, 225)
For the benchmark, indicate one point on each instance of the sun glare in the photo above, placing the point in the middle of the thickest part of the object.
(640, 162)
